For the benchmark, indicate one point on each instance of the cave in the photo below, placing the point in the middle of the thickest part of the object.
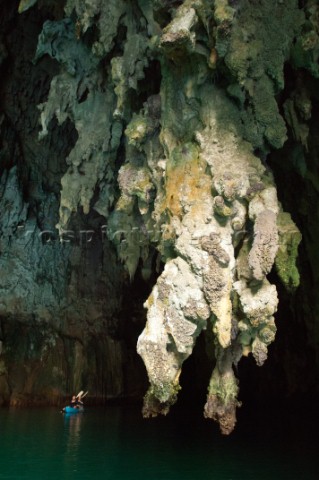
(159, 204)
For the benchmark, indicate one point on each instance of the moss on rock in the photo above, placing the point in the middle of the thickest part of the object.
(289, 240)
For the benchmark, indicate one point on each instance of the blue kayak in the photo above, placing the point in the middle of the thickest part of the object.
(78, 409)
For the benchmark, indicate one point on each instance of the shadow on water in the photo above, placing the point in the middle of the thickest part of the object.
(115, 443)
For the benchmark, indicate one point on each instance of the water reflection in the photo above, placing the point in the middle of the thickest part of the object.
(73, 426)
(72, 429)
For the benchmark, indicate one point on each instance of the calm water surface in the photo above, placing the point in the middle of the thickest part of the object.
(116, 444)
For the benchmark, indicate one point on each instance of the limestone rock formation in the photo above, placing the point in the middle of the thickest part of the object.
(191, 186)
(175, 108)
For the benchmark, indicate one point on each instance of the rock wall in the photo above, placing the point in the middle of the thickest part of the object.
(61, 297)
(159, 121)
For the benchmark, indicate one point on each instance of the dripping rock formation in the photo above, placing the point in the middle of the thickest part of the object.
(159, 169)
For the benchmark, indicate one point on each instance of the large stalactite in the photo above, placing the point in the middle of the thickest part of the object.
(176, 107)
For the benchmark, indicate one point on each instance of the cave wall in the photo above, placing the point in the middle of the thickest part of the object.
(61, 297)
(157, 144)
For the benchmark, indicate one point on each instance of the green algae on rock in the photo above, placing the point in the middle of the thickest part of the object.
(285, 262)
(26, 4)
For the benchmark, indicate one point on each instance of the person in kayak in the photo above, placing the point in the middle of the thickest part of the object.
(74, 402)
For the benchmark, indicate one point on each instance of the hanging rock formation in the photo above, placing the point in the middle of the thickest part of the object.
(191, 186)
(176, 107)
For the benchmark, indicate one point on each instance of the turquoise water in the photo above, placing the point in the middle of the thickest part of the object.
(116, 444)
